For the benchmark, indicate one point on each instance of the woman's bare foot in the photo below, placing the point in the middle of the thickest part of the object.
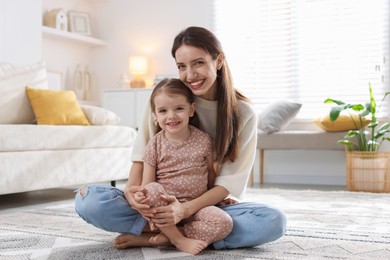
(190, 245)
(129, 240)
(160, 240)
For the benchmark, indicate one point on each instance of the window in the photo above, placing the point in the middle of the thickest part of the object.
(306, 50)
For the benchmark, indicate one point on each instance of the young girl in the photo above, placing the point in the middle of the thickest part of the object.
(178, 161)
(231, 122)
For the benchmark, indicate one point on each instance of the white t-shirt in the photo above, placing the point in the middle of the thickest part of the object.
(232, 175)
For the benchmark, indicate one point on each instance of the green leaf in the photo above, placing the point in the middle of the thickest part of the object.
(373, 145)
(347, 143)
(373, 104)
(381, 133)
(352, 133)
(357, 107)
(384, 126)
(335, 112)
(373, 124)
(383, 99)
(333, 101)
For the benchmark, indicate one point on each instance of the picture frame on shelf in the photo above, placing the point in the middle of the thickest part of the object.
(79, 22)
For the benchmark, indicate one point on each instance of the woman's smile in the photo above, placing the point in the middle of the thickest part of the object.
(196, 84)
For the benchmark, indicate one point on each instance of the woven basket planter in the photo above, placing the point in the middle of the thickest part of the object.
(368, 171)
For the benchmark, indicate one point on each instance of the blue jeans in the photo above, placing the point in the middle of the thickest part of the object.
(254, 224)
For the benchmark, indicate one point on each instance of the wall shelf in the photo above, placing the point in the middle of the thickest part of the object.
(51, 33)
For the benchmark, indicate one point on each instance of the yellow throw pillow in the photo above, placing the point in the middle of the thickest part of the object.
(343, 123)
(55, 107)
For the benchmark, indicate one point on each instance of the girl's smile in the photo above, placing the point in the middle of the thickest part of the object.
(172, 113)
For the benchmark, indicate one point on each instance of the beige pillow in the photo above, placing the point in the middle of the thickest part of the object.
(100, 116)
(343, 123)
(56, 107)
(15, 107)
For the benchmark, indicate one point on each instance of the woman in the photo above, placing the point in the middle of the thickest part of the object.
(228, 118)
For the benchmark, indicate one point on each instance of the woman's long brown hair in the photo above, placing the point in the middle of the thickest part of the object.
(226, 137)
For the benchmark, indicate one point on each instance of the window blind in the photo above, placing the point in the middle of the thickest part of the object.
(306, 50)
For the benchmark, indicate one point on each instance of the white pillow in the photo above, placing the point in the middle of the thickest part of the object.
(100, 116)
(15, 107)
(277, 115)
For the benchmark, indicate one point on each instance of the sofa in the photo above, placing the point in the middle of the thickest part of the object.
(36, 155)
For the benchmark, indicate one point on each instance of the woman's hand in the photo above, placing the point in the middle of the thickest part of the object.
(227, 201)
(171, 214)
(133, 195)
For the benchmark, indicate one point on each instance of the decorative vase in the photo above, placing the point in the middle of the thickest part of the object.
(87, 81)
(78, 83)
(123, 81)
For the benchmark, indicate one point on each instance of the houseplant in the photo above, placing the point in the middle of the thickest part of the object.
(367, 167)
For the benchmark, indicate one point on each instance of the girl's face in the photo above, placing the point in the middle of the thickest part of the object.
(198, 70)
(173, 113)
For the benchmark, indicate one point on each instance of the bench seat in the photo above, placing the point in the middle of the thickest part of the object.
(296, 140)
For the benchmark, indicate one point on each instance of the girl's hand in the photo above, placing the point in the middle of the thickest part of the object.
(139, 197)
(171, 214)
(227, 201)
(132, 195)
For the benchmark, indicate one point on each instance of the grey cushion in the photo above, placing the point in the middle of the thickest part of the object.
(277, 115)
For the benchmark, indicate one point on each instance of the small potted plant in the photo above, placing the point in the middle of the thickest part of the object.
(367, 167)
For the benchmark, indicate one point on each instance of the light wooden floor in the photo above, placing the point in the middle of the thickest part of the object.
(28, 200)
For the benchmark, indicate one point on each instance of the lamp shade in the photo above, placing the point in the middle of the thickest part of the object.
(138, 65)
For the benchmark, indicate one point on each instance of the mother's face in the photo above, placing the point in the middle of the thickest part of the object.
(198, 70)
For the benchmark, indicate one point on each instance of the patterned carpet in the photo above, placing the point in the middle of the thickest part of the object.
(321, 225)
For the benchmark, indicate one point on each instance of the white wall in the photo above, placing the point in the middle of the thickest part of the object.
(129, 27)
(145, 28)
(20, 32)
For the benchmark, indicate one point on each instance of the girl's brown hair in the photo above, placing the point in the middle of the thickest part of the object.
(173, 87)
(226, 137)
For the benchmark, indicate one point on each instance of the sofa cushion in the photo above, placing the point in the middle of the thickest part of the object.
(18, 138)
(100, 116)
(14, 105)
(56, 107)
(277, 115)
(346, 121)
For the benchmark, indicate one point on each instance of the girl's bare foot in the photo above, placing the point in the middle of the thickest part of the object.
(190, 245)
(160, 240)
(129, 240)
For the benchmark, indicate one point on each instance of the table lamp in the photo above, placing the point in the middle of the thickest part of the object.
(138, 66)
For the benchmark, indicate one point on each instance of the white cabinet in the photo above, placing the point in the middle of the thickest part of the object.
(128, 104)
